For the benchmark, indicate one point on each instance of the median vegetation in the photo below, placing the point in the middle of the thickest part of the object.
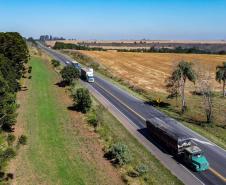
(14, 56)
(126, 154)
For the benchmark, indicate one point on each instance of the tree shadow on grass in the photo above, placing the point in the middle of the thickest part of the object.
(75, 108)
(61, 84)
(154, 103)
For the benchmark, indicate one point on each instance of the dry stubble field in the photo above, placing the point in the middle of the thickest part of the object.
(150, 70)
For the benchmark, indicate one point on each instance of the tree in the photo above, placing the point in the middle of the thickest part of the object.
(205, 89)
(180, 75)
(8, 105)
(14, 47)
(119, 153)
(68, 74)
(221, 76)
(173, 88)
(82, 100)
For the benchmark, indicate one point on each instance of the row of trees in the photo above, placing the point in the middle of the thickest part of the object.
(190, 50)
(13, 57)
(81, 97)
(183, 73)
(61, 45)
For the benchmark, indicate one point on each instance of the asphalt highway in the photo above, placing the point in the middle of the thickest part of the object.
(138, 111)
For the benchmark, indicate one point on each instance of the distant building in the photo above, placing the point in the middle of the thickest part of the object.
(50, 37)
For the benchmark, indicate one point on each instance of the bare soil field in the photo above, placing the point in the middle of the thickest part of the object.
(150, 70)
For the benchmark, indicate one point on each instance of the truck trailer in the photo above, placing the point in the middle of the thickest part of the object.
(87, 74)
(178, 144)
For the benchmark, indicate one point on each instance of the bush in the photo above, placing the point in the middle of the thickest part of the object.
(119, 154)
(29, 69)
(10, 139)
(55, 63)
(142, 169)
(92, 119)
(9, 153)
(68, 74)
(95, 118)
(82, 100)
(22, 140)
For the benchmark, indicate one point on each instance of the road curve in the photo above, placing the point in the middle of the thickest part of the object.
(138, 111)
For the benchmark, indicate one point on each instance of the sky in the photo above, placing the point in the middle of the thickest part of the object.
(116, 19)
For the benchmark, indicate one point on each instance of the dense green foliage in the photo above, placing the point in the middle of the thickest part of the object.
(61, 45)
(119, 154)
(14, 47)
(192, 50)
(55, 63)
(22, 140)
(221, 75)
(68, 74)
(14, 55)
(82, 100)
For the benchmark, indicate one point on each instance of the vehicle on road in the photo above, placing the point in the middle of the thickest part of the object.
(87, 74)
(178, 144)
(76, 65)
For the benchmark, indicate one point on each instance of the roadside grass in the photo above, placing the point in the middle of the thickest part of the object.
(194, 118)
(54, 154)
(112, 131)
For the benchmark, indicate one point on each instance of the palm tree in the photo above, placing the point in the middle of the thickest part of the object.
(221, 75)
(183, 72)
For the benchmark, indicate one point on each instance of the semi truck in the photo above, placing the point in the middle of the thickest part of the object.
(76, 65)
(87, 74)
(178, 144)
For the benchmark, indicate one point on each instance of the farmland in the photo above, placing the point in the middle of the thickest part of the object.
(150, 70)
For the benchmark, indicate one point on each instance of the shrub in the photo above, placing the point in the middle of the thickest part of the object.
(29, 69)
(22, 140)
(68, 74)
(92, 119)
(142, 169)
(119, 154)
(96, 116)
(55, 63)
(10, 139)
(82, 100)
(9, 153)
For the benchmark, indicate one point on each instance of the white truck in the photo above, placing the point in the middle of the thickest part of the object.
(87, 74)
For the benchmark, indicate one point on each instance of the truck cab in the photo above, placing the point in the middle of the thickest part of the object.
(193, 157)
(90, 79)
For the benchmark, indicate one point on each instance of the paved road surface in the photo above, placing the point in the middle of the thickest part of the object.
(138, 111)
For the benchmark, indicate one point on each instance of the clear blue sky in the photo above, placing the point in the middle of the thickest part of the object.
(116, 19)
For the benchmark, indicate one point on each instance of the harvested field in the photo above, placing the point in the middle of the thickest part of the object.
(150, 70)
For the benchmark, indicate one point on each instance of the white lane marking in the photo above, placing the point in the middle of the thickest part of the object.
(203, 142)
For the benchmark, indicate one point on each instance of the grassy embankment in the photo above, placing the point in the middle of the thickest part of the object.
(194, 118)
(57, 152)
(61, 150)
